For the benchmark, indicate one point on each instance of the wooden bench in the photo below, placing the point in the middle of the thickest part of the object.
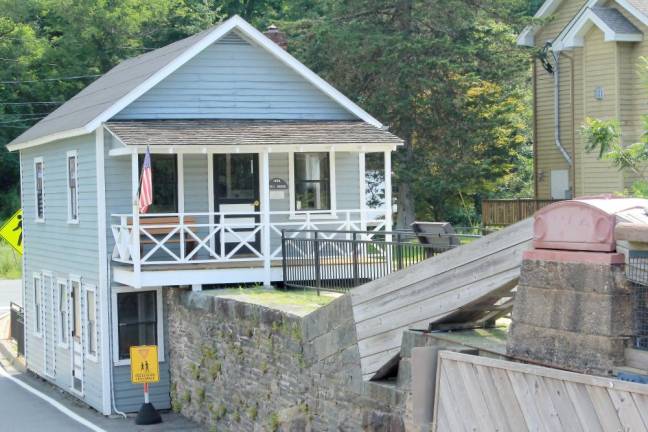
(162, 232)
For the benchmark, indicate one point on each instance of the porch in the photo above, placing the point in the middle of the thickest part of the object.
(225, 190)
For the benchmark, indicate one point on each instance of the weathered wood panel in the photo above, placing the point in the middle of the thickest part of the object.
(509, 211)
(433, 289)
(485, 394)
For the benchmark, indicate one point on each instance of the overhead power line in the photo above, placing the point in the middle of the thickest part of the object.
(69, 78)
(31, 103)
(21, 120)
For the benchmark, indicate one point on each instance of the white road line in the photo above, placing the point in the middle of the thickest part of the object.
(68, 412)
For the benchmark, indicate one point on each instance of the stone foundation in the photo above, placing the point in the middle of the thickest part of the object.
(574, 315)
(239, 366)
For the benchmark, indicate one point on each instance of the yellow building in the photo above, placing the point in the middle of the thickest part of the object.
(593, 53)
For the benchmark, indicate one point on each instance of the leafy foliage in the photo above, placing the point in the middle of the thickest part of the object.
(445, 75)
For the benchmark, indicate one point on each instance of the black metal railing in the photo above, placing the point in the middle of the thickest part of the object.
(17, 326)
(340, 260)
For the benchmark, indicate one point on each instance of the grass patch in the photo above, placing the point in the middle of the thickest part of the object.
(297, 302)
(10, 262)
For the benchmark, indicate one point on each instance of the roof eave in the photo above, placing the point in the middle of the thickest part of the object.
(70, 133)
(574, 38)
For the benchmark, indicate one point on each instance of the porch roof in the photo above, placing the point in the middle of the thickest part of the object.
(248, 132)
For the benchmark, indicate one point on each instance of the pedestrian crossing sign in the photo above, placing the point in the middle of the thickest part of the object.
(144, 364)
(12, 231)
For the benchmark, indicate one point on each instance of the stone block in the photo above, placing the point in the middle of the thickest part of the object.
(606, 279)
(561, 348)
(577, 311)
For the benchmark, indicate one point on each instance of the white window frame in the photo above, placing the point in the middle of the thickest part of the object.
(38, 312)
(38, 160)
(74, 154)
(322, 214)
(85, 288)
(115, 319)
(62, 284)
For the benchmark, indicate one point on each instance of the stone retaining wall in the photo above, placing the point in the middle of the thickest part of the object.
(238, 366)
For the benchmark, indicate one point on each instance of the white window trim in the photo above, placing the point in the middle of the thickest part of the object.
(72, 153)
(36, 275)
(63, 283)
(160, 325)
(42, 162)
(86, 339)
(325, 214)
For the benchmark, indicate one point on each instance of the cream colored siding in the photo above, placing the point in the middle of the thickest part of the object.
(599, 175)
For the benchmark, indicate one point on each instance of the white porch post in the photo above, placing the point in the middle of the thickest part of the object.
(388, 192)
(210, 198)
(135, 241)
(265, 216)
(362, 185)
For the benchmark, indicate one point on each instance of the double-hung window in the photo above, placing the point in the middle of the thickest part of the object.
(38, 296)
(39, 189)
(91, 321)
(312, 181)
(136, 320)
(72, 187)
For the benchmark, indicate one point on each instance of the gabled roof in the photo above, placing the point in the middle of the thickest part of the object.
(127, 81)
(610, 21)
(637, 8)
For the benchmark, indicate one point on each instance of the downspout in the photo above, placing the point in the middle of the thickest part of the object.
(566, 156)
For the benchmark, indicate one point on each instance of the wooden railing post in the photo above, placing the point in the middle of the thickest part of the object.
(137, 265)
(354, 246)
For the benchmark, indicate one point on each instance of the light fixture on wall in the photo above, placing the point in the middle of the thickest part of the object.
(599, 93)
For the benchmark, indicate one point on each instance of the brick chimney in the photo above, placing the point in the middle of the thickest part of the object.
(277, 36)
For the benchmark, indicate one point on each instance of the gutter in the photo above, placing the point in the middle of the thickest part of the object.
(566, 156)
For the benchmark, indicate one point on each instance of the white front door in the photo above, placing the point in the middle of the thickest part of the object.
(76, 337)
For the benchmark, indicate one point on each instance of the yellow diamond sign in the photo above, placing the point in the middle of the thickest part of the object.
(144, 364)
(12, 231)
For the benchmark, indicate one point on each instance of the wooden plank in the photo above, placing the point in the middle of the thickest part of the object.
(532, 416)
(497, 404)
(514, 235)
(450, 375)
(583, 406)
(605, 410)
(475, 395)
(627, 411)
(562, 403)
(642, 405)
(448, 403)
(514, 416)
(542, 398)
(548, 372)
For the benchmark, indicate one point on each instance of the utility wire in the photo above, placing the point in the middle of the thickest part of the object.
(21, 120)
(32, 103)
(50, 79)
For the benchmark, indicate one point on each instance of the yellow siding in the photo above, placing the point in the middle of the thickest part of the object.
(548, 157)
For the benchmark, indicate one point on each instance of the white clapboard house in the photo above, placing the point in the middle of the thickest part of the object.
(245, 141)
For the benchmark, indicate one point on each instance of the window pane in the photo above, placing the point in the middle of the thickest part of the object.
(39, 190)
(37, 301)
(312, 187)
(72, 187)
(165, 182)
(137, 320)
(91, 320)
(235, 177)
(76, 309)
(63, 313)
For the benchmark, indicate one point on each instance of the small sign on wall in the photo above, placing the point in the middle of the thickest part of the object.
(278, 186)
(277, 183)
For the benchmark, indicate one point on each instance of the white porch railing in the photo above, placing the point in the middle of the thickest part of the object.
(200, 238)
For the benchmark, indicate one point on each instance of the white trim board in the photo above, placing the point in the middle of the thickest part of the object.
(249, 33)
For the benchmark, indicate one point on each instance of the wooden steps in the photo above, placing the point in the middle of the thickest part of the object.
(434, 289)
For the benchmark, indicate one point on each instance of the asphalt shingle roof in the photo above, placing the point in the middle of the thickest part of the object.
(248, 132)
(615, 20)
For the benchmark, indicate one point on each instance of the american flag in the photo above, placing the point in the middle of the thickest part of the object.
(146, 184)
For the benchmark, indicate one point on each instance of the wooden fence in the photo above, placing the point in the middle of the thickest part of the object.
(484, 394)
(509, 211)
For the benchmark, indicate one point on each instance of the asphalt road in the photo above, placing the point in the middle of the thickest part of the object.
(10, 291)
(22, 411)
